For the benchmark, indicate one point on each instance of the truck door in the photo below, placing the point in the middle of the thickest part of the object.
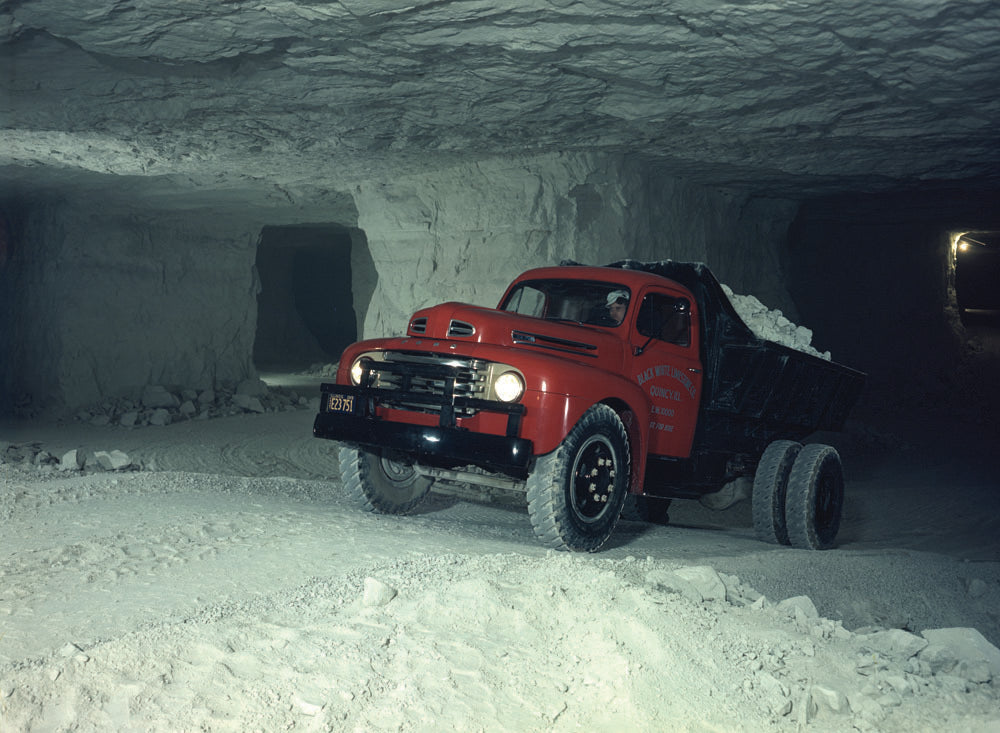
(665, 363)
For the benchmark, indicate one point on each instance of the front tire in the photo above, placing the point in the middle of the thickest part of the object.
(815, 498)
(576, 493)
(381, 481)
(770, 484)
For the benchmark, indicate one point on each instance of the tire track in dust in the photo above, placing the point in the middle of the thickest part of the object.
(114, 551)
(268, 446)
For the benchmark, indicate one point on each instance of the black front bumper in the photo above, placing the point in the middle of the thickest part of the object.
(442, 444)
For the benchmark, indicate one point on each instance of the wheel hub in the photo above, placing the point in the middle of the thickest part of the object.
(593, 478)
(397, 471)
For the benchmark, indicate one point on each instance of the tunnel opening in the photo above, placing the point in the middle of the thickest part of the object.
(874, 277)
(305, 304)
(974, 276)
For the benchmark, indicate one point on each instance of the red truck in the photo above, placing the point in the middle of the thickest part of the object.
(588, 387)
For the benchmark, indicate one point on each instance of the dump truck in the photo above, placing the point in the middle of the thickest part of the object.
(594, 390)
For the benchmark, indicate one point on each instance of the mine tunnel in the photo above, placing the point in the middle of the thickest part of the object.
(305, 309)
(884, 267)
(102, 305)
(224, 201)
(976, 276)
(202, 203)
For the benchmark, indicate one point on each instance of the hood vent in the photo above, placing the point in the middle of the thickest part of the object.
(554, 343)
(418, 325)
(460, 328)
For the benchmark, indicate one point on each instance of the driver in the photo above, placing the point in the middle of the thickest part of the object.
(617, 304)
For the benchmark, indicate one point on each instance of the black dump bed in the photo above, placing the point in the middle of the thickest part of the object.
(755, 391)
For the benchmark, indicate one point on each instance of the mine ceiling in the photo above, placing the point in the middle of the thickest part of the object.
(286, 99)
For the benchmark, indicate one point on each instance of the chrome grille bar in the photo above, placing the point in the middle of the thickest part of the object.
(434, 375)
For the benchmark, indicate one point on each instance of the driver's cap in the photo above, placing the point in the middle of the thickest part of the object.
(615, 295)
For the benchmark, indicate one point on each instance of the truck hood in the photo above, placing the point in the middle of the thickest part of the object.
(475, 325)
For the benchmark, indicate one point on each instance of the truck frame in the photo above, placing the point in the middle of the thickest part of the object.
(589, 412)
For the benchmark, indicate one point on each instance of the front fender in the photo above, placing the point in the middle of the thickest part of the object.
(552, 413)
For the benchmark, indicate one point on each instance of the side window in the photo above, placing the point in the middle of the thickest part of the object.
(527, 301)
(665, 318)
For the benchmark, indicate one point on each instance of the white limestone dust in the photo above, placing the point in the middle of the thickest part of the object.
(237, 588)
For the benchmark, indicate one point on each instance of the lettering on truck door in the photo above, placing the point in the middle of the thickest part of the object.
(668, 370)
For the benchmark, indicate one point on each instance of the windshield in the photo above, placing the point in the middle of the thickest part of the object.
(579, 301)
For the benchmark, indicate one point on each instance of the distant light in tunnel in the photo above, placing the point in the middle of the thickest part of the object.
(975, 267)
(974, 241)
(955, 239)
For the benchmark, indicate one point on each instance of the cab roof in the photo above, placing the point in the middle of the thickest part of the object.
(721, 324)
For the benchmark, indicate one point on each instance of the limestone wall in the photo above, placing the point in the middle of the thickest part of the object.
(103, 300)
(110, 301)
(465, 232)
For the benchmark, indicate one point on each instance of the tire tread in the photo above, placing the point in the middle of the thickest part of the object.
(800, 507)
(770, 485)
(547, 506)
(361, 486)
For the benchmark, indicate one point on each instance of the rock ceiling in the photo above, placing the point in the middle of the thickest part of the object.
(792, 98)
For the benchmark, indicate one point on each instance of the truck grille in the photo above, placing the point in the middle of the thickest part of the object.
(414, 375)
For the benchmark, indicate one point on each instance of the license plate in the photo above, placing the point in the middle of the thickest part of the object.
(340, 403)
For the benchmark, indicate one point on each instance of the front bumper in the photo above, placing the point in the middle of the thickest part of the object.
(444, 443)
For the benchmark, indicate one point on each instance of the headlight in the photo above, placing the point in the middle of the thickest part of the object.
(358, 369)
(508, 387)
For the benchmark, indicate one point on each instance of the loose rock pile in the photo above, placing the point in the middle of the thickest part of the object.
(892, 667)
(32, 457)
(324, 370)
(772, 325)
(156, 406)
(160, 406)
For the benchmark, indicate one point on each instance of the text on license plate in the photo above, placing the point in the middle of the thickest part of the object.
(340, 403)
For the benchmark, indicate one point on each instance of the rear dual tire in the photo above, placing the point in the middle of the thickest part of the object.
(798, 495)
(770, 485)
(815, 500)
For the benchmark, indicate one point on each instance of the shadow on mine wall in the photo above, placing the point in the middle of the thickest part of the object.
(11, 338)
(316, 282)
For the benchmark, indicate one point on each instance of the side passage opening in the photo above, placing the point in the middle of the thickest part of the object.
(305, 311)
(976, 262)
